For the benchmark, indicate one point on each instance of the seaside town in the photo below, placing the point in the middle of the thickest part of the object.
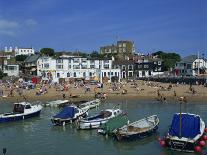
(103, 77)
(115, 70)
(78, 81)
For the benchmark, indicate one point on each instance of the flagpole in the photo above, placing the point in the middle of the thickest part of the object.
(180, 134)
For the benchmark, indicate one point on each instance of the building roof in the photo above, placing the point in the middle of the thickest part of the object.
(189, 58)
(123, 62)
(31, 58)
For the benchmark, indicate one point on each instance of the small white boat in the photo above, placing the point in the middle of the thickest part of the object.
(55, 103)
(99, 119)
(68, 115)
(21, 111)
(90, 104)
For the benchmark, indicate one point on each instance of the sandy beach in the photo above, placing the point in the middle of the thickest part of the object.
(138, 90)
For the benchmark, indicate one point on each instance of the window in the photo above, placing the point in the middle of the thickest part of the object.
(46, 66)
(68, 74)
(146, 66)
(59, 66)
(58, 75)
(76, 66)
(130, 67)
(76, 60)
(84, 74)
(84, 66)
(92, 66)
(90, 74)
(104, 73)
(106, 61)
(69, 66)
(130, 74)
(74, 74)
(139, 66)
(27, 107)
(112, 73)
(84, 60)
(188, 66)
(59, 61)
(106, 66)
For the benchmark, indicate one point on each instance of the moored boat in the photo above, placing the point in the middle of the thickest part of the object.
(90, 104)
(68, 115)
(56, 103)
(138, 129)
(21, 111)
(185, 132)
(99, 119)
(114, 123)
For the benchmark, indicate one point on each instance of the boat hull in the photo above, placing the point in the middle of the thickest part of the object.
(62, 122)
(135, 136)
(182, 146)
(19, 117)
(91, 124)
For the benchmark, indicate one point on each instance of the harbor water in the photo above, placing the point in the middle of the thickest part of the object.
(37, 136)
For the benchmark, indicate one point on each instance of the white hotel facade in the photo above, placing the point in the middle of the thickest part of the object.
(73, 67)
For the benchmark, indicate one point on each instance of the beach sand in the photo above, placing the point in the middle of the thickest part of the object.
(147, 91)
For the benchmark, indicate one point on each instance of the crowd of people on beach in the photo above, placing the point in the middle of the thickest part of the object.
(68, 89)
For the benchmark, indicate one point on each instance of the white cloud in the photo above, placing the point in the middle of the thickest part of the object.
(6, 24)
(8, 27)
(30, 22)
(11, 28)
(7, 32)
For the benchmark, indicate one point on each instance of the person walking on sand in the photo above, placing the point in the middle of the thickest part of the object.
(175, 93)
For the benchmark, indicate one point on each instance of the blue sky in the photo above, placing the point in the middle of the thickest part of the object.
(85, 25)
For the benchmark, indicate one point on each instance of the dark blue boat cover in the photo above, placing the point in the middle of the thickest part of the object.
(190, 125)
(67, 112)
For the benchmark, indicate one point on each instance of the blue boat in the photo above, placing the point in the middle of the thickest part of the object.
(138, 129)
(185, 132)
(68, 115)
(21, 111)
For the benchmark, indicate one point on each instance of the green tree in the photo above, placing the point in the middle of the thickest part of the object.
(94, 54)
(47, 51)
(20, 57)
(169, 59)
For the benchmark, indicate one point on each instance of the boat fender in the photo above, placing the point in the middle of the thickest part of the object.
(204, 137)
(63, 123)
(202, 143)
(198, 149)
(23, 117)
(162, 143)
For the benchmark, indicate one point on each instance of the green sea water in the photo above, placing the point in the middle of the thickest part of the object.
(37, 136)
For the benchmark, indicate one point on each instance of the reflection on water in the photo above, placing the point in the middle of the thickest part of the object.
(38, 136)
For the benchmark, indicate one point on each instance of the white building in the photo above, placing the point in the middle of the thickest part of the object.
(24, 51)
(73, 67)
(191, 66)
(11, 70)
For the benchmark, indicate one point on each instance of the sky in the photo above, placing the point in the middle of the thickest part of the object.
(86, 25)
